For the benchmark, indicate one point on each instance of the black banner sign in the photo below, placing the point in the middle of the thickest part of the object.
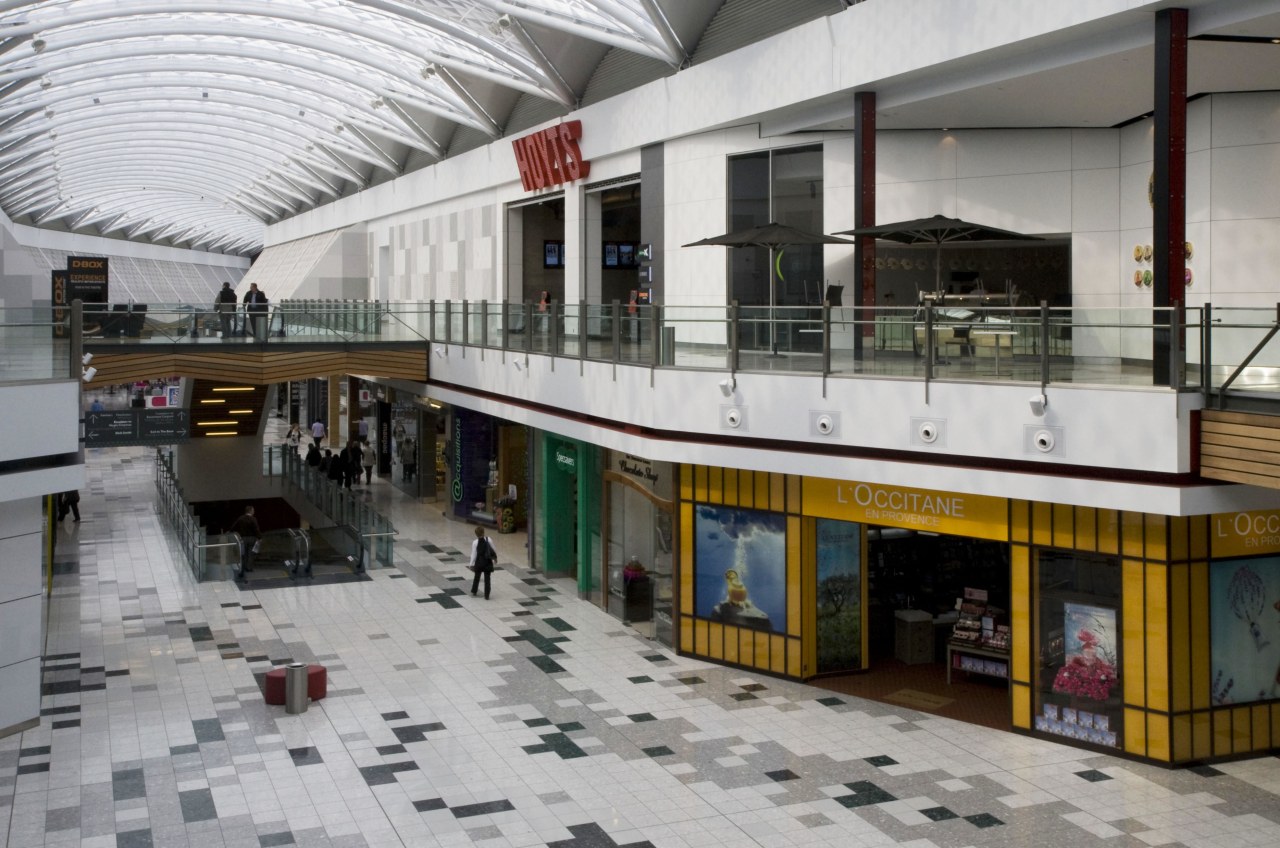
(136, 427)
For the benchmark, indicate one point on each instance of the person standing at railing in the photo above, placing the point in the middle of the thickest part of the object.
(247, 526)
(225, 305)
(255, 312)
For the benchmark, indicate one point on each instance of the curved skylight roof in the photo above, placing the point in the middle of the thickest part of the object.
(196, 122)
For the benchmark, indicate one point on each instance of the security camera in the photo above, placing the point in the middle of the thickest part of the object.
(727, 385)
(928, 432)
(89, 374)
(825, 424)
(1044, 441)
(86, 359)
(733, 418)
(1038, 404)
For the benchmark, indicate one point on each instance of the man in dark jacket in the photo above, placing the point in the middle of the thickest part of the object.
(247, 526)
(225, 305)
(255, 312)
(350, 460)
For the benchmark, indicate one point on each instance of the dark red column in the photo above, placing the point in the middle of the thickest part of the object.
(864, 211)
(1169, 182)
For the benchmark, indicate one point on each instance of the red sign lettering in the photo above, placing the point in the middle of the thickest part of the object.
(551, 157)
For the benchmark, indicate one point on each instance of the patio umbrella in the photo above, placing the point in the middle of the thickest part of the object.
(938, 230)
(771, 236)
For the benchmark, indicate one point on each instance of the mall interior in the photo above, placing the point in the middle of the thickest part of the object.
(873, 406)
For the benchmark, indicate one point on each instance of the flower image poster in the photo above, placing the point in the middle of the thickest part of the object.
(1091, 668)
(741, 571)
(1244, 630)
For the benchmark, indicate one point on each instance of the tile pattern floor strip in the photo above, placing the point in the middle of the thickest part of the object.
(459, 721)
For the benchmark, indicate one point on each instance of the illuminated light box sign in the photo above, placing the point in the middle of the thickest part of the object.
(551, 157)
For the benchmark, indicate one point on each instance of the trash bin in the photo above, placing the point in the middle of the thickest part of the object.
(295, 688)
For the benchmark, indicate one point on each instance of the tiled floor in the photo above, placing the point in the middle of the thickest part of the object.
(530, 719)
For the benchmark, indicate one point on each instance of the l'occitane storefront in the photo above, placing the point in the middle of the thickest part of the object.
(1150, 635)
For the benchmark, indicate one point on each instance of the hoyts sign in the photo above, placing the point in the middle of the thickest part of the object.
(551, 157)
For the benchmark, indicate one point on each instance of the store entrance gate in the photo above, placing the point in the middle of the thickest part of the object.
(936, 604)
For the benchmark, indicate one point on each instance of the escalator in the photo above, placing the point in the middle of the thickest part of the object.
(292, 555)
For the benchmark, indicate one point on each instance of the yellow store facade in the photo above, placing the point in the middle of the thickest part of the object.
(1154, 636)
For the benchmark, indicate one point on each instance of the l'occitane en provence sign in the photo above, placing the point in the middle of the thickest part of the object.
(950, 513)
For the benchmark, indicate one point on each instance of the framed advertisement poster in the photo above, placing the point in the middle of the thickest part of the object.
(741, 567)
(1244, 630)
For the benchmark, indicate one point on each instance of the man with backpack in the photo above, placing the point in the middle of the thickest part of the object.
(483, 558)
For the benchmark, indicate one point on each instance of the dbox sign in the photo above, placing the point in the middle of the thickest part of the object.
(551, 157)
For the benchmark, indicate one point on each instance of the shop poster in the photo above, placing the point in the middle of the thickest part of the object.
(839, 595)
(741, 572)
(1090, 671)
(1244, 626)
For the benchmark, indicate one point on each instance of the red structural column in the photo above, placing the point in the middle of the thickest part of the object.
(864, 210)
(1169, 182)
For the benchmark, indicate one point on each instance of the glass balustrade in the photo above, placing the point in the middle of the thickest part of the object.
(1205, 345)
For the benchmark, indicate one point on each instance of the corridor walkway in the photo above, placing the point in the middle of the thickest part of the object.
(530, 719)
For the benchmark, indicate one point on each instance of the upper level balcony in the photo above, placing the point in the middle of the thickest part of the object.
(1033, 397)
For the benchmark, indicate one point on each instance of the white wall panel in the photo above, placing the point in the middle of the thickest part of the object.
(1030, 203)
(1096, 269)
(19, 693)
(20, 558)
(1199, 185)
(1135, 207)
(20, 630)
(39, 419)
(21, 518)
(1094, 149)
(1237, 174)
(1243, 120)
(1200, 124)
(1095, 200)
(987, 153)
(909, 157)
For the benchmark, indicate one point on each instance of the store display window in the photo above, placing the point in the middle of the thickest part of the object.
(839, 635)
(1078, 681)
(1244, 625)
(741, 568)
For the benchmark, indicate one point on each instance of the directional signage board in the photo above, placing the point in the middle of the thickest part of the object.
(135, 427)
(163, 425)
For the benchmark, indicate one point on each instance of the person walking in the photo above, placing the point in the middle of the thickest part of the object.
(255, 312)
(366, 459)
(317, 432)
(69, 502)
(408, 459)
(294, 437)
(247, 526)
(350, 460)
(332, 466)
(225, 305)
(483, 558)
